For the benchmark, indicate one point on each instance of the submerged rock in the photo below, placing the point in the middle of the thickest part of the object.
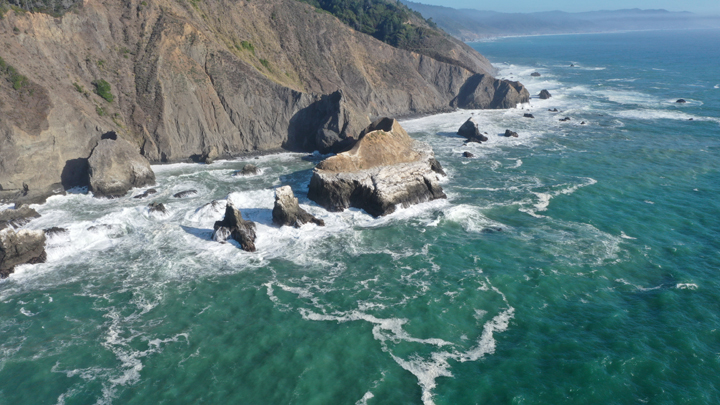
(54, 231)
(384, 169)
(248, 170)
(287, 211)
(146, 194)
(21, 247)
(535, 74)
(485, 92)
(157, 207)
(233, 225)
(185, 194)
(553, 110)
(565, 119)
(681, 101)
(15, 218)
(468, 155)
(470, 131)
(528, 116)
(509, 133)
(115, 166)
(544, 95)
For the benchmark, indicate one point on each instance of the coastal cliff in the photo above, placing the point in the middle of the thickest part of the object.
(181, 80)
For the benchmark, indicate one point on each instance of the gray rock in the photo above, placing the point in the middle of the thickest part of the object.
(248, 170)
(565, 119)
(146, 194)
(233, 225)
(54, 231)
(544, 94)
(681, 101)
(21, 247)
(437, 167)
(528, 116)
(535, 74)
(468, 155)
(553, 109)
(185, 194)
(115, 166)
(157, 207)
(287, 211)
(384, 169)
(15, 218)
(485, 92)
(470, 131)
(509, 133)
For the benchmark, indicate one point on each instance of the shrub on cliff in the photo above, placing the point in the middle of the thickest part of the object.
(102, 89)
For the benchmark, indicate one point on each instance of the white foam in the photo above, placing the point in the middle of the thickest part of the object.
(686, 286)
(656, 114)
(363, 401)
(622, 235)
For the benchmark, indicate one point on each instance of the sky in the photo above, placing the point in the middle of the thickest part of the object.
(529, 6)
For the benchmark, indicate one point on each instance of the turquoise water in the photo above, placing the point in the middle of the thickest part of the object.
(576, 264)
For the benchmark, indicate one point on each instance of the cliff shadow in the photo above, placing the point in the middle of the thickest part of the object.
(75, 173)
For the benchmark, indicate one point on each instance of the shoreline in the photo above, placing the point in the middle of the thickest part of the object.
(494, 38)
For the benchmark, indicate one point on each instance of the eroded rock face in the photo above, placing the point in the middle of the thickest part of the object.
(483, 91)
(233, 225)
(115, 166)
(384, 169)
(470, 131)
(544, 94)
(21, 247)
(15, 218)
(287, 211)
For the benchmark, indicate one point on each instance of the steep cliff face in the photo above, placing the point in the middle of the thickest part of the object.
(188, 77)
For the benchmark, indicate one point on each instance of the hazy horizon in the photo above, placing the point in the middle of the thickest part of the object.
(708, 7)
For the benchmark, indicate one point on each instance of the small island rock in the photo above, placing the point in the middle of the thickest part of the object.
(233, 225)
(287, 211)
(248, 170)
(681, 101)
(509, 133)
(528, 116)
(468, 155)
(470, 131)
(115, 166)
(535, 74)
(544, 95)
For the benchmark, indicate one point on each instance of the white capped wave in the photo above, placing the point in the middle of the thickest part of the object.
(686, 286)
(656, 114)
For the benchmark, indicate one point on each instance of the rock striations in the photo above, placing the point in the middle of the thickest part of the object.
(384, 169)
(287, 210)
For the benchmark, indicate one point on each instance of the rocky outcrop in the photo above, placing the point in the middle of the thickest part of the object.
(185, 194)
(15, 218)
(233, 225)
(287, 210)
(544, 94)
(565, 119)
(384, 169)
(115, 166)
(681, 101)
(509, 133)
(471, 131)
(483, 91)
(21, 247)
(526, 115)
(248, 170)
(468, 155)
(146, 194)
(157, 207)
(535, 74)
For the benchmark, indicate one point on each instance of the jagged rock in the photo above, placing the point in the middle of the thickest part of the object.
(582, 123)
(485, 92)
(115, 166)
(146, 194)
(233, 225)
(248, 170)
(287, 211)
(509, 133)
(384, 169)
(157, 207)
(468, 155)
(470, 131)
(106, 227)
(544, 94)
(681, 101)
(21, 247)
(528, 116)
(185, 194)
(553, 110)
(565, 119)
(15, 218)
(436, 167)
(54, 231)
(535, 74)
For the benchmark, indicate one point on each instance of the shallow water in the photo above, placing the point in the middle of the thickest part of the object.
(574, 264)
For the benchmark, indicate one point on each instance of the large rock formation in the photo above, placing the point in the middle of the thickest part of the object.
(384, 169)
(287, 211)
(21, 247)
(471, 131)
(233, 225)
(204, 79)
(115, 166)
(483, 91)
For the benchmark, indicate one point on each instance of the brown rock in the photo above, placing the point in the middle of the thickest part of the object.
(287, 211)
(115, 166)
(21, 247)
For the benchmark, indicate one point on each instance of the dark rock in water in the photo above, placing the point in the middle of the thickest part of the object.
(535, 74)
(468, 155)
(690, 119)
(287, 211)
(485, 92)
(248, 170)
(15, 218)
(582, 123)
(54, 231)
(437, 167)
(509, 133)
(384, 169)
(528, 116)
(544, 95)
(470, 131)
(116, 166)
(186, 193)
(233, 225)
(146, 194)
(492, 229)
(565, 119)
(553, 110)
(21, 247)
(157, 207)
(681, 101)
(99, 227)
(572, 65)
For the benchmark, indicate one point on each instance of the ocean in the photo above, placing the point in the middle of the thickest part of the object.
(576, 264)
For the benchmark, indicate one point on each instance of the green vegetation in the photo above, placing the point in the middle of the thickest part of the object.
(265, 63)
(247, 46)
(80, 89)
(102, 89)
(384, 20)
(17, 80)
(99, 110)
(101, 63)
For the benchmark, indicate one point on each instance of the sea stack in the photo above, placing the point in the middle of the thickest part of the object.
(233, 225)
(544, 94)
(287, 210)
(384, 169)
(115, 166)
(470, 131)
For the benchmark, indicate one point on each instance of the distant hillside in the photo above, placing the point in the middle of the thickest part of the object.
(471, 25)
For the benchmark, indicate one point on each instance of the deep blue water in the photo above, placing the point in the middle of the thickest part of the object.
(576, 264)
